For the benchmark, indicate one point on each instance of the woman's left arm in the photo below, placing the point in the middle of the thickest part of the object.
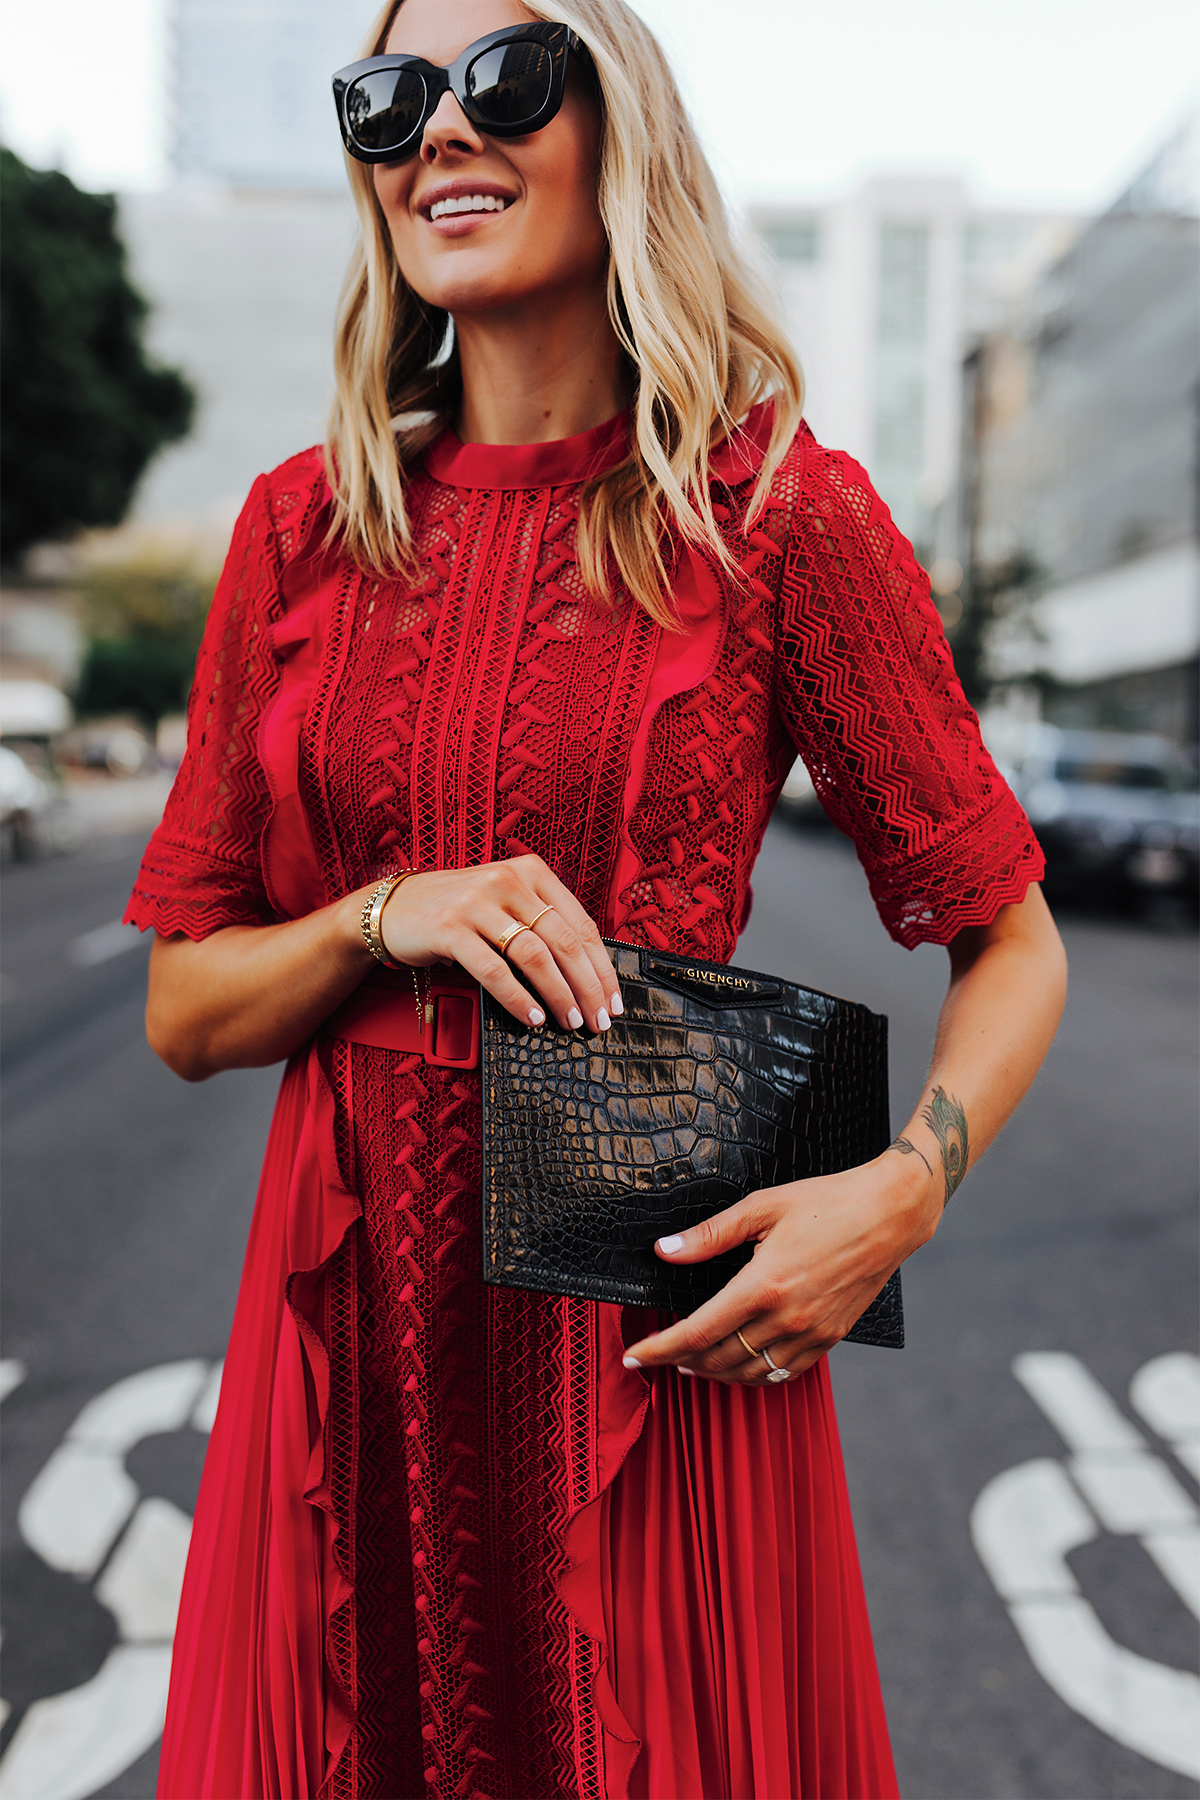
(825, 1247)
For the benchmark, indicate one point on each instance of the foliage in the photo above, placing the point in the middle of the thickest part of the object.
(997, 593)
(146, 619)
(129, 675)
(84, 410)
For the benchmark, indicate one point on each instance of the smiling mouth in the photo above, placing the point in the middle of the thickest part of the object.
(468, 203)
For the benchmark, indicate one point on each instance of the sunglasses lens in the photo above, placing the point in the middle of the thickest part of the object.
(511, 83)
(385, 110)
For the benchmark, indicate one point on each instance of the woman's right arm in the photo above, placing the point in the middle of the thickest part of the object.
(250, 995)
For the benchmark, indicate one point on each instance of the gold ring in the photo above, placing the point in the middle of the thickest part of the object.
(538, 915)
(508, 937)
(749, 1348)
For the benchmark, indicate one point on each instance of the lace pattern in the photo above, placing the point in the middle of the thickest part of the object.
(488, 710)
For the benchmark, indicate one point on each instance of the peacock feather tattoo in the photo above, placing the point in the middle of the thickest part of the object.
(948, 1123)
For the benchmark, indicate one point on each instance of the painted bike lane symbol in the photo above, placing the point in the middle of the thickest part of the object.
(81, 1505)
(1027, 1520)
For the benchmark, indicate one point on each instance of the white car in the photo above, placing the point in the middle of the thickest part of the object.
(26, 809)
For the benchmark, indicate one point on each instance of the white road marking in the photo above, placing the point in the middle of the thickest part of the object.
(205, 1412)
(1132, 1492)
(142, 1582)
(1074, 1402)
(12, 1374)
(67, 1746)
(73, 1744)
(1142, 1704)
(1167, 1394)
(104, 942)
(154, 1400)
(75, 1507)
(1027, 1520)
(1177, 1554)
(1024, 1523)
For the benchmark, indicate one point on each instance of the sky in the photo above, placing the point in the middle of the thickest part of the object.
(1051, 103)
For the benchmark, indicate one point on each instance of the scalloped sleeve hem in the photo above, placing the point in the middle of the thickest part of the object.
(181, 889)
(869, 697)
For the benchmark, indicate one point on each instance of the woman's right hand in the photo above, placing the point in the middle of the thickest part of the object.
(460, 915)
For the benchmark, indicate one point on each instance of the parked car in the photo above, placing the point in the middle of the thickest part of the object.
(26, 809)
(115, 746)
(35, 817)
(1117, 814)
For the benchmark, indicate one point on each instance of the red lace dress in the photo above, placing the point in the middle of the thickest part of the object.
(445, 1544)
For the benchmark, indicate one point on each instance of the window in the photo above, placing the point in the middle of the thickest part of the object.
(792, 240)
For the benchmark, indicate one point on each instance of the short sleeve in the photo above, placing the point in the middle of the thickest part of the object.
(871, 701)
(202, 869)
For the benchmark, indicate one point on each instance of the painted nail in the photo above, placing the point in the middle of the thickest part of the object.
(536, 1016)
(630, 1362)
(603, 1020)
(670, 1246)
(618, 1006)
(680, 1370)
(574, 1018)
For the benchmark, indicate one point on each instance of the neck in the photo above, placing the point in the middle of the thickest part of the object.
(531, 375)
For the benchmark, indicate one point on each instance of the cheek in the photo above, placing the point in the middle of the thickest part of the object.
(565, 212)
(392, 189)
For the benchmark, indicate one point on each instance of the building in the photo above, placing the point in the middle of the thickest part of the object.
(243, 285)
(251, 102)
(882, 289)
(1080, 463)
(242, 257)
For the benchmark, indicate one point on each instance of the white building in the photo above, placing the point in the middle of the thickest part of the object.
(242, 258)
(251, 89)
(882, 289)
(1084, 450)
(243, 286)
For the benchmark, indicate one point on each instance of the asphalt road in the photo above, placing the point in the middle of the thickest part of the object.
(1027, 1639)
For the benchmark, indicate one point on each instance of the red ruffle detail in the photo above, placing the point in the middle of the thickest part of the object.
(254, 1645)
(412, 1460)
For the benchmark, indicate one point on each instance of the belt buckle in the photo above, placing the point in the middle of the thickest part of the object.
(452, 1026)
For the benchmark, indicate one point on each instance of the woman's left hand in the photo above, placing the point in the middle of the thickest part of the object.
(823, 1249)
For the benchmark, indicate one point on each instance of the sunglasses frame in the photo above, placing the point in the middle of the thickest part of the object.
(558, 39)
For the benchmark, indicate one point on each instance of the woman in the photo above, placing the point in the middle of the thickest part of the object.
(547, 627)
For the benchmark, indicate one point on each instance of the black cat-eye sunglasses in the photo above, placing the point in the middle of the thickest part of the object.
(508, 83)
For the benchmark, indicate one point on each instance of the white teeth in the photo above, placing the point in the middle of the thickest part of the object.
(467, 203)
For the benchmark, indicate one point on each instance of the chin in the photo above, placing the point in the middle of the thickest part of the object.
(467, 290)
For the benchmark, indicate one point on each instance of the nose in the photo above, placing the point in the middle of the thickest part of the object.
(449, 133)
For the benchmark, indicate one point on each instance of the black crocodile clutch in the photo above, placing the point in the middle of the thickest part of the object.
(714, 1082)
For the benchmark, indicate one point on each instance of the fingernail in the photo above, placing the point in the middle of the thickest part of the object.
(630, 1362)
(574, 1018)
(618, 1005)
(536, 1016)
(603, 1020)
(680, 1370)
(670, 1246)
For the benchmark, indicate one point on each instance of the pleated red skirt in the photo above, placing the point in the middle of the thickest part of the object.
(738, 1639)
(531, 1574)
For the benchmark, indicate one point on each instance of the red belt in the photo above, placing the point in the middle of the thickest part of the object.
(383, 1012)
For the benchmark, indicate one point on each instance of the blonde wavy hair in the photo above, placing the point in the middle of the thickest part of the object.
(694, 320)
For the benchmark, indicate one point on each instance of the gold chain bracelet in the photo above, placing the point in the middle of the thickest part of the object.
(370, 921)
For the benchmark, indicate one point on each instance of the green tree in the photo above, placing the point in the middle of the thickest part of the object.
(145, 618)
(84, 410)
(996, 592)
